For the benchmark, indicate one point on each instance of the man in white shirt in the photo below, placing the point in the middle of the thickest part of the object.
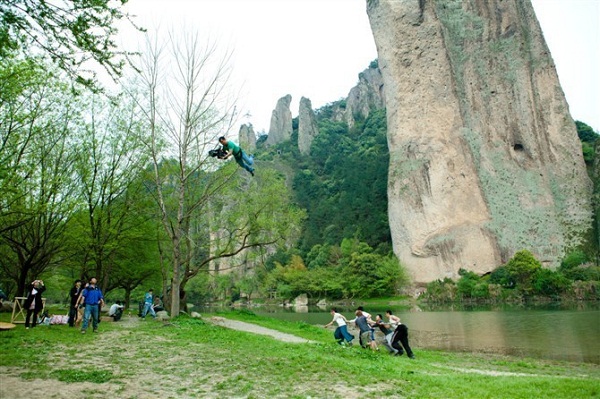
(116, 311)
(400, 337)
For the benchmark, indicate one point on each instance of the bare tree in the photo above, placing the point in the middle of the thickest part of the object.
(188, 104)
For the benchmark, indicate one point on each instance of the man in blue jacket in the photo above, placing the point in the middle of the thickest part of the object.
(92, 298)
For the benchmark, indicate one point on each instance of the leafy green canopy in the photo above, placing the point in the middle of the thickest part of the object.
(343, 184)
(70, 32)
(588, 138)
(351, 270)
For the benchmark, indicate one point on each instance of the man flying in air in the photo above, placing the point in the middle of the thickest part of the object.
(240, 156)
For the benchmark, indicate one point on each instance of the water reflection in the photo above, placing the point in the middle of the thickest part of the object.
(552, 331)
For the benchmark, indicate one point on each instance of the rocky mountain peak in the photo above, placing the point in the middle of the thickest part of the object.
(484, 156)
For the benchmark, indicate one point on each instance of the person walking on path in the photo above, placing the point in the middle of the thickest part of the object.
(240, 156)
(148, 305)
(92, 298)
(34, 302)
(74, 296)
(341, 332)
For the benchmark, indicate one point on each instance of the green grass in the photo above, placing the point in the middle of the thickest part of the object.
(193, 358)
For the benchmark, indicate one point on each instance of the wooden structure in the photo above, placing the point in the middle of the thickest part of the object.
(19, 312)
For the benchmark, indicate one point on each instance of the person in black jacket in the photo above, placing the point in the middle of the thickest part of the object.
(74, 295)
(34, 303)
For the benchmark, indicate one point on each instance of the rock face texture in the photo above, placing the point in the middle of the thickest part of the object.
(484, 156)
(366, 96)
(363, 98)
(307, 126)
(247, 138)
(280, 129)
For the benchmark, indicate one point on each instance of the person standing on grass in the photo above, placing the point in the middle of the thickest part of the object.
(341, 332)
(400, 336)
(34, 302)
(74, 296)
(92, 298)
(148, 305)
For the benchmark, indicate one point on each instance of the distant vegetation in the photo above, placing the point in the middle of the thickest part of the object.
(520, 279)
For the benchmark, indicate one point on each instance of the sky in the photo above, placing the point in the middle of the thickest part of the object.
(317, 48)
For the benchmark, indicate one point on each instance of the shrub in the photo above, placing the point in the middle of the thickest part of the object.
(573, 259)
(466, 284)
(440, 291)
(586, 290)
(549, 283)
(481, 290)
(495, 291)
(522, 269)
(500, 276)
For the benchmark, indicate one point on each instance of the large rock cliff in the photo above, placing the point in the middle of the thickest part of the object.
(247, 138)
(307, 126)
(280, 129)
(366, 96)
(484, 156)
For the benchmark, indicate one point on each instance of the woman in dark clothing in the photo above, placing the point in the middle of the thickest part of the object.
(34, 303)
(74, 296)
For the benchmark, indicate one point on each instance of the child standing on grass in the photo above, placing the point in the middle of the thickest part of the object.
(341, 332)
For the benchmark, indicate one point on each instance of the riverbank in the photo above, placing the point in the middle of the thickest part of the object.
(193, 358)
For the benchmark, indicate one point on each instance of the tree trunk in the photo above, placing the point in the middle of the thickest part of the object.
(127, 298)
(22, 283)
(176, 280)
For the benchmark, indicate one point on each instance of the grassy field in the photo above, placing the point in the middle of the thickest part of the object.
(192, 358)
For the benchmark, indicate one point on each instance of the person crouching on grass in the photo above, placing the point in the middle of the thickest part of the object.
(341, 332)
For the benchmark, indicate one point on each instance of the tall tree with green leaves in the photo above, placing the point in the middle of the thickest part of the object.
(109, 165)
(37, 116)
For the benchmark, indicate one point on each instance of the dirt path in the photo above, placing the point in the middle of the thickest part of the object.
(253, 328)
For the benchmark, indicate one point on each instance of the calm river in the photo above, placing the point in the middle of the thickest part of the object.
(543, 332)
